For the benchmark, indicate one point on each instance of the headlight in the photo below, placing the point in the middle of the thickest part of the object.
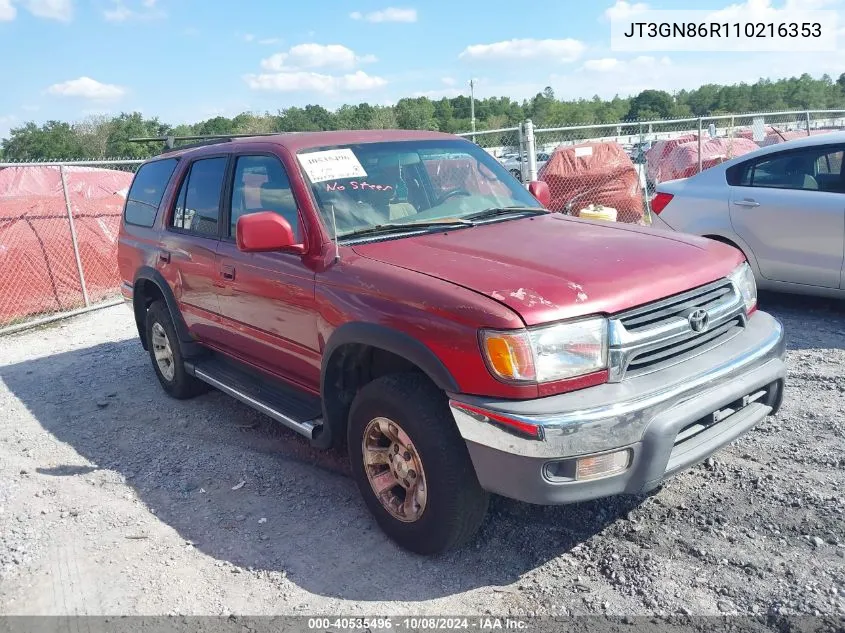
(545, 354)
(743, 278)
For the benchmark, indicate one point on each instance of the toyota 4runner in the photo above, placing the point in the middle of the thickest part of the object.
(399, 293)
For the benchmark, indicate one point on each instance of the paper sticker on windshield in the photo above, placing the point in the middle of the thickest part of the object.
(333, 164)
(583, 151)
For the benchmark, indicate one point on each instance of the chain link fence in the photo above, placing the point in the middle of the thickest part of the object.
(59, 223)
(610, 170)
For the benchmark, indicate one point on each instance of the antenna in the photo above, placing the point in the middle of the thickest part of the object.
(334, 236)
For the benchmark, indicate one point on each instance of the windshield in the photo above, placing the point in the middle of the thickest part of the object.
(407, 182)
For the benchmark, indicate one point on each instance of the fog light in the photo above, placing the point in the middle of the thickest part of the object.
(602, 465)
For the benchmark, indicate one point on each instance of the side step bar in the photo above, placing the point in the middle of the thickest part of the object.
(297, 412)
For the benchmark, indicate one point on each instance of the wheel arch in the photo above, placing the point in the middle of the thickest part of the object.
(356, 354)
(737, 244)
(149, 285)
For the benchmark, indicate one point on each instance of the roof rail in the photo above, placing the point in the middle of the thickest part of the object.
(170, 141)
(211, 141)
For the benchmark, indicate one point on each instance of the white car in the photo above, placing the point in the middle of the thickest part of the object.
(514, 164)
(782, 205)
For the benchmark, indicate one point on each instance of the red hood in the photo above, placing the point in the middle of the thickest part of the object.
(553, 267)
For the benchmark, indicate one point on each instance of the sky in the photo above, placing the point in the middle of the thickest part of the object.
(188, 60)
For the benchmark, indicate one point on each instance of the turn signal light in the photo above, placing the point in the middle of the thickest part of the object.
(602, 465)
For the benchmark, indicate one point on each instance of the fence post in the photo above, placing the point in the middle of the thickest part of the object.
(700, 134)
(521, 153)
(73, 236)
(531, 148)
(808, 123)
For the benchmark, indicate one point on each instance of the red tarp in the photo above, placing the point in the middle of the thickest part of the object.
(773, 138)
(657, 154)
(594, 173)
(39, 271)
(682, 162)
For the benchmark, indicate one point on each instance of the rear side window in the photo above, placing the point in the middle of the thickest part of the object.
(147, 190)
(198, 205)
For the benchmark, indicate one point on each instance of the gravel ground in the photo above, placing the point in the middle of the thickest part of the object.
(115, 499)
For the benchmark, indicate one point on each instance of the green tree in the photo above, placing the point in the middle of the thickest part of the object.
(383, 118)
(416, 114)
(651, 104)
(55, 140)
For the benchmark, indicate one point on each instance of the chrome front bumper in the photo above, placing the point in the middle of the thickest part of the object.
(644, 414)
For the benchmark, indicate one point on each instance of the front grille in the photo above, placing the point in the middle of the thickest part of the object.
(655, 314)
(668, 355)
(659, 335)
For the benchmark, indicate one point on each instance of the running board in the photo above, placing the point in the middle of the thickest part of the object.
(298, 412)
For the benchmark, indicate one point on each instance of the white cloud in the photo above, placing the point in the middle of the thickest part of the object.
(434, 95)
(390, 14)
(763, 9)
(7, 11)
(87, 88)
(302, 81)
(601, 65)
(449, 81)
(622, 10)
(631, 76)
(566, 50)
(612, 64)
(268, 41)
(121, 12)
(61, 10)
(312, 56)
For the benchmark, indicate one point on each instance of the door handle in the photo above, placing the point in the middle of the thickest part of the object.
(164, 256)
(746, 203)
(227, 272)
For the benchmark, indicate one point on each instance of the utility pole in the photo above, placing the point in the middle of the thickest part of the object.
(472, 106)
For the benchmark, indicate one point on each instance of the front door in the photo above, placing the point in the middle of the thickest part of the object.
(789, 207)
(267, 299)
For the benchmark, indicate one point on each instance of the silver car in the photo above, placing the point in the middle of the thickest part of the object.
(783, 206)
(514, 164)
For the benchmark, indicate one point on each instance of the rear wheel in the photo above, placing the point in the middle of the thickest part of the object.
(166, 356)
(411, 465)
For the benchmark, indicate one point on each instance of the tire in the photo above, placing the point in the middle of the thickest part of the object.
(174, 379)
(517, 174)
(455, 503)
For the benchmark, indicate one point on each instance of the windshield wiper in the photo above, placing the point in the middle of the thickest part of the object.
(497, 211)
(406, 227)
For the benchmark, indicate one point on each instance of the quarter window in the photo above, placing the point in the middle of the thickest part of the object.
(198, 205)
(146, 191)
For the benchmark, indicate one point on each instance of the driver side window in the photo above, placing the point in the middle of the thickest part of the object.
(261, 184)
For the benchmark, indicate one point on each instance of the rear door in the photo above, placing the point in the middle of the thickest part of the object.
(189, 246)
(267, 299)
(789, 207)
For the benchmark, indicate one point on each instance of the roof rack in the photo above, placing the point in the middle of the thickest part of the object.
(203, 139)
(214, 141)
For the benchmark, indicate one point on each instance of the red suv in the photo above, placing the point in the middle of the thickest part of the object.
(399, 293)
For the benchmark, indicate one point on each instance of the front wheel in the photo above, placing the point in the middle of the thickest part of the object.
(411, 465)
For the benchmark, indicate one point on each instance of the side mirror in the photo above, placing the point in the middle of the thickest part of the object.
(265, 231)
(540, 190)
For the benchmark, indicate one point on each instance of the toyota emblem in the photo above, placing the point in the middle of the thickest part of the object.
(699, 320)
